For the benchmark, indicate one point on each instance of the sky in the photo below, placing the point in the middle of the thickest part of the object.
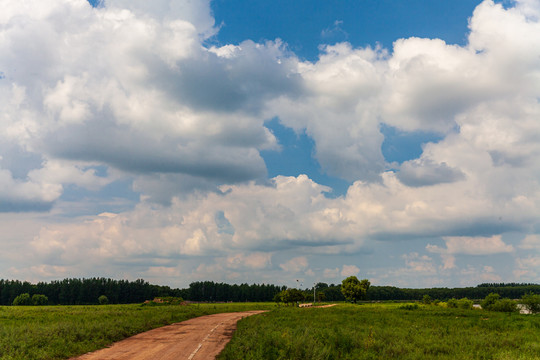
(283, 142)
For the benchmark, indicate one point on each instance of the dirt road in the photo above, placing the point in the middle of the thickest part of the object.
(195, 339)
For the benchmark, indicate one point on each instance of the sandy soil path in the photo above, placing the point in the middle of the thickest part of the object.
(195, 339)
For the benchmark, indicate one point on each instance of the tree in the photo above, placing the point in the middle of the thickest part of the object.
(103, 300)
(23, 299)
(39, 300)
(531, 302)
(490, 300)
(291, 296)
(354, 289)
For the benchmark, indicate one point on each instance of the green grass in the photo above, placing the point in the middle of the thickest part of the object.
(385, 331)
(60, 332)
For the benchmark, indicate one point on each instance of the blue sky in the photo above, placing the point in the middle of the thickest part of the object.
(271, 141)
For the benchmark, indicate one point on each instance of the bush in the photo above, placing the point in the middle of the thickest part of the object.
(504, 305)
(103, 300)
(465, 304)
(39, 300)
(426, 299)
(531, 302)
(23, 299)
(409, 307)
(452, 303)
(489, 301)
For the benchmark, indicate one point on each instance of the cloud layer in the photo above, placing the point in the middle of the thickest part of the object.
(133, 94)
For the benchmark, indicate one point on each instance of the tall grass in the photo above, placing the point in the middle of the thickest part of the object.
(385, 332)
(60, 332)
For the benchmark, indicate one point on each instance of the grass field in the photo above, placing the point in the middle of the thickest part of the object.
(60, 332)
(384, 331)
(371, 331)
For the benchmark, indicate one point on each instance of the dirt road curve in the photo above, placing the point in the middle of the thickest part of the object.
(195, 339)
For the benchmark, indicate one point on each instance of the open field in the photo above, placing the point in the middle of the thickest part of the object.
(60, 332)
(369, 331)
(384, 331)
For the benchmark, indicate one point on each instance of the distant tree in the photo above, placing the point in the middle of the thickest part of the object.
(23, 299)
(505, 305)
(531, 302)
(39, 300)
(452, 303)
(291, 296)
(465, 303)
(426, 299)
(489, 301)
(103, 300)
(354, 289)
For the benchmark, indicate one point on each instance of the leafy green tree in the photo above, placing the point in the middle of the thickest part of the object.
(452, 303)
(23, 299)
(290, 296)
(531, 302)
(504, 305)
(465, 303)
(354, 289)
(426, 299)
(489, 301)
(39, 300)
(103, 300)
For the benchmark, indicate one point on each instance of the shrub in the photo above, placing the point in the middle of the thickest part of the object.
(504, 305)
(426, 299)
(103, 300)
(489, 301)
(531, 302)
(38, 299)
(452, 303)
(23, 299)
(465, 303)
(408, 307)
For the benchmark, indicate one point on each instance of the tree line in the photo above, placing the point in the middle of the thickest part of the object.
(88, 291)
(211, 291)
(85, 291)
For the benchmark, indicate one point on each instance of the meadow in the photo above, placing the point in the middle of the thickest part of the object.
(367, 331)
(61, 332)
(385, 331)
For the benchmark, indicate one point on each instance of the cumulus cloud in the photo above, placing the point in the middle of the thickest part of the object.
(530, 242)
(295, 265)
(153, 100)
(349, 270)
(421, 172)
(131, 91)
(472, 246)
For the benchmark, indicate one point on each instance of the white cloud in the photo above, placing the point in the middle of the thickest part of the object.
(295, 265)
(530, 242)
(349, 270)
(184, 124)
(472, 246)
(256, 260)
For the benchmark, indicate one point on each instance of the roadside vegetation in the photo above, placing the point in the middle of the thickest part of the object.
(61, 332)
(385, 331)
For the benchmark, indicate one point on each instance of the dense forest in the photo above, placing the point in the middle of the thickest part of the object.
(85, 291)
(88, 291)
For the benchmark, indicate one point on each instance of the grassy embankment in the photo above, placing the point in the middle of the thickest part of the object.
(60, 332)
(384, 331)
